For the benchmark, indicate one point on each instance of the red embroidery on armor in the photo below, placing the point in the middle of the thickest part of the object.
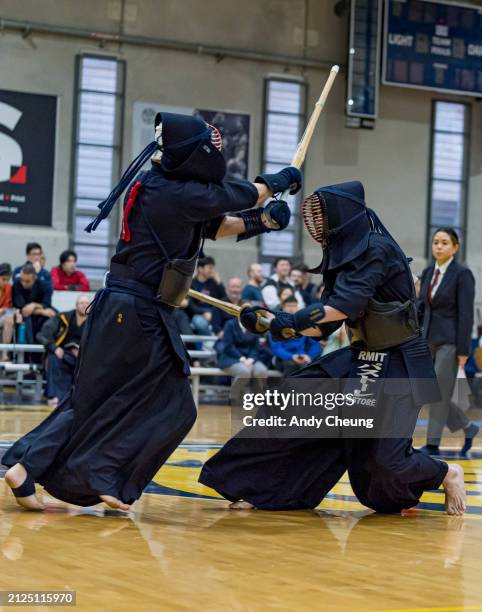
(126, 232)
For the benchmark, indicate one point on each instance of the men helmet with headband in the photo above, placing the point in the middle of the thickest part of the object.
(189, 148)
(338, 219)
(186, 148)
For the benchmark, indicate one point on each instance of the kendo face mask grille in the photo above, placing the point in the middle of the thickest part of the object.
(315, 218)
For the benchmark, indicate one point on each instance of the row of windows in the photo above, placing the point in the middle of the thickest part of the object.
(449, 166)
(284, 121)
(97, 156)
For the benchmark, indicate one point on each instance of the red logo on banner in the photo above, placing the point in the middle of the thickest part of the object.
(20, 176)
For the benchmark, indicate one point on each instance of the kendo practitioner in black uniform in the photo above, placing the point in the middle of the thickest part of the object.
(131, 403)
(368, 286)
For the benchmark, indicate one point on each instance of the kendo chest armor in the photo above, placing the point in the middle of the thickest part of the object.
(385, 325)
(176, 275)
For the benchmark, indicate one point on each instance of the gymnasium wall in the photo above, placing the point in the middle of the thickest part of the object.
(391, 160)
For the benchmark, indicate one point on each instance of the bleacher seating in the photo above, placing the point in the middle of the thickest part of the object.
(198, 372)
(35, 382)
(20, 368)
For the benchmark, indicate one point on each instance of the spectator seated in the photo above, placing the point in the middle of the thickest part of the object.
(206, 281)
(66, 300)
(61, 337)
(240, 354)
(284, 293)
(36, 257)
(277, 281)
(182, 319)
(252, 290)
(301, 279)
(66, 277)
(293, 353)
(7, 311)
(32, 297)
(220, 318)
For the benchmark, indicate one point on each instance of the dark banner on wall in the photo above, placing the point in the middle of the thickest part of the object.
(27, 155)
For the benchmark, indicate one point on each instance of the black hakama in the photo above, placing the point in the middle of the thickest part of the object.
(131, 403)
(60, 375)
(130, 407)
(363, 269)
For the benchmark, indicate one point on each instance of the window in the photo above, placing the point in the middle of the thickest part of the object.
(449, 168)
(284, 121)
(99, 92)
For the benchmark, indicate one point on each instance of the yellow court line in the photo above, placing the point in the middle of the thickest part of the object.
(476, 608)
(340, 504)
(475, 501)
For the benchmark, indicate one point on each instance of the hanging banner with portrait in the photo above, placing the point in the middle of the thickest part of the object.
(234, 128)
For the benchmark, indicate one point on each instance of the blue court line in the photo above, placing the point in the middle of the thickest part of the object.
(157, 489)
(473, 493)
(432, 506)
(189, 463)
(452, 454)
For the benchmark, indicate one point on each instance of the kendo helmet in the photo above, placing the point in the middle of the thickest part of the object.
(186, 147)
(337, 217)
(189, 148)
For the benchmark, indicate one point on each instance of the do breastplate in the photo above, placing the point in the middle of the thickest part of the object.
(385, 325)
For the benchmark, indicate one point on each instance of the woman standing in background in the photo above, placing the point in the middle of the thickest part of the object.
(447, 296)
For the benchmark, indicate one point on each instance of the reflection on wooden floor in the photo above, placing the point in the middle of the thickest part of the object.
(182, 549)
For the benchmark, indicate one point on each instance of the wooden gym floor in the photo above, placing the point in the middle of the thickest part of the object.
(182, 549)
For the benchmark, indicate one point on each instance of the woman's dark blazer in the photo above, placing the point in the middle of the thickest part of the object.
(450, 317)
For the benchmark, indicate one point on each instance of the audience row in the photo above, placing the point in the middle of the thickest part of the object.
(26, 293)
(26, 308)
(200, 318)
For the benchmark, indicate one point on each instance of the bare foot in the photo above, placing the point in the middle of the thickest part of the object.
(114, 503)
(15, 477)
(241, 505)
(453, 483)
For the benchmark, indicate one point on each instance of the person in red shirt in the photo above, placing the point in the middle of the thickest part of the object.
(7, 310)
(66, 277)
